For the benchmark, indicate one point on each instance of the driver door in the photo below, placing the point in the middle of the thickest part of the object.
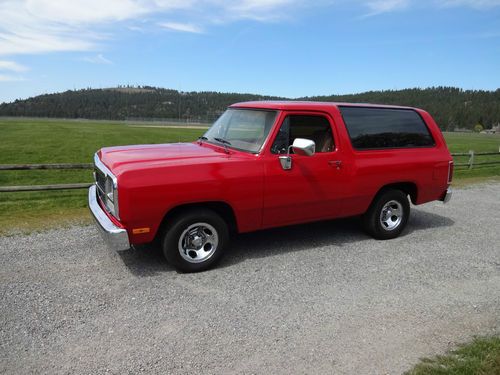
(313, 188)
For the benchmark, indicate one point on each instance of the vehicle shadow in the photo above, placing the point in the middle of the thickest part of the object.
(145, 260)
(303, 237)
(279, 241)
(148, 260)
(422, 220)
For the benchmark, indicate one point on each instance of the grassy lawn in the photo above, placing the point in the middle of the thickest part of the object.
(25, 141)
(481, 357)
(463, 142)
(57, 141)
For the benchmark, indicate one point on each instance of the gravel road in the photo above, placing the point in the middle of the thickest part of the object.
(321, 298)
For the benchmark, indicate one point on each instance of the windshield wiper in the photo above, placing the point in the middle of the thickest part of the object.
(202, 138)
(224, 142)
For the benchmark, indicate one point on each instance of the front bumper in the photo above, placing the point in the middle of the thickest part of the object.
(447, 195)
(115, 237)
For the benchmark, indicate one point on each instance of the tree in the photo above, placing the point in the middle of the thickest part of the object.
(450, 107)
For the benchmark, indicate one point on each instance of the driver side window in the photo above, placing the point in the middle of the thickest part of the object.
(315, 128)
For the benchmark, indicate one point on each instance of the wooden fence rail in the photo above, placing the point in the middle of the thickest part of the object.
(44, 187)
(19, 167)
(472, 158)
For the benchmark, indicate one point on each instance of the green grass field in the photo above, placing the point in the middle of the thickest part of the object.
(480, 357)
(57, 141)
(26, 141)
(462, 142)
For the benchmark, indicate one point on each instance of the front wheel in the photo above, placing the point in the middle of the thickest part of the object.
(195, 240)
(388, 215)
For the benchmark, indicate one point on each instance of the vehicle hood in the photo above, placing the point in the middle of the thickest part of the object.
(121, 158)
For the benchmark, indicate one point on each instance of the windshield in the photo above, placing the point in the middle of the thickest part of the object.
(243, 129)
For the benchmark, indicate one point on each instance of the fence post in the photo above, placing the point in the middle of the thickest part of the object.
(471, 159)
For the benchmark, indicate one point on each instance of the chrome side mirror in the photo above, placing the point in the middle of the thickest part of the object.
(304, 147)
(300, 146)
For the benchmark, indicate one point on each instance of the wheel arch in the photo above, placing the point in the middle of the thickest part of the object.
(223, 209)
(407, 187)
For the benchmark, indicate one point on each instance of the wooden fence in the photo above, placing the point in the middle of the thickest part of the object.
(472, 158)
(19, 167)
(24, 167)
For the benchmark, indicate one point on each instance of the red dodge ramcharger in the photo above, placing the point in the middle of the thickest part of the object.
(269, 164)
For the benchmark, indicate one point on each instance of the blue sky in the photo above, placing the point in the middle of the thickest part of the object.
(288, 48)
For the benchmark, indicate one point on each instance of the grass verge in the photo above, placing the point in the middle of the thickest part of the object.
(464, 142)
(27, 141)
(480, 357)
(25, 212)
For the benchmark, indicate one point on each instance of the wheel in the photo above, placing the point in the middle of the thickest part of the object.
(195, 240)
(388, 215)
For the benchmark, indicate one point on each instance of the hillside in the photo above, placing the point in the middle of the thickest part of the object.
(451, 107)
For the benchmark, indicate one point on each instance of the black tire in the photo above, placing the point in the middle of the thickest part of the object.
(175, 237)
(385, 226)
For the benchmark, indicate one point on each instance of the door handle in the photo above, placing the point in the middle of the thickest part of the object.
(335, 163)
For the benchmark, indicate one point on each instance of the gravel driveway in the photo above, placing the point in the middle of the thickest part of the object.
(321, 298)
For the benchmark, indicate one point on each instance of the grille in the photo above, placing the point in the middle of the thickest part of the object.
(100, 180)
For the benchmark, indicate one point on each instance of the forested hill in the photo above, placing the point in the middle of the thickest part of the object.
(451, 107)
(127, 103)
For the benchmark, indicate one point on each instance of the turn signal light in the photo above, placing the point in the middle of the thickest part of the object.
(140, 230)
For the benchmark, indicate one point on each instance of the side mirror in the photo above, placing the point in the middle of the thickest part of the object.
(300, 146)
(304, 147)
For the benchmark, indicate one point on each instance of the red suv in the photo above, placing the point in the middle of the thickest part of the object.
(270, 164)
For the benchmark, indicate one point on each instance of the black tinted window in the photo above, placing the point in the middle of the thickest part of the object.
(315, 128)
(375, 128)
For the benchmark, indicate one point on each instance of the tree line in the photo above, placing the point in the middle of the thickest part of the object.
(451, 107)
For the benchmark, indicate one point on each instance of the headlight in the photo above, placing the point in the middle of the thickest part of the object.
(110, 196)
(110, 193)
(107, 187)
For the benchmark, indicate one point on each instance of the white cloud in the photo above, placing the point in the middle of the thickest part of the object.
(98, 59)
(12, 66)
(82, 12)
(27, 28)
(41, 26)
(37, 26)
(260, 10)
(376, 7)
(185, 27)
(136, 28)
(478, 4)
(38, 41)
(10, 78)
(384, 6)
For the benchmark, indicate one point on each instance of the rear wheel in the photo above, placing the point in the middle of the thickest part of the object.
(388, 215)
(196, 240)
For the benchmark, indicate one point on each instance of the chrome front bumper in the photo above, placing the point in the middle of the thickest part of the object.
(447, 195)
(115, 237)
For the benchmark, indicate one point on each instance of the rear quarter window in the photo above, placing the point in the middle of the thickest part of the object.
(379, 128)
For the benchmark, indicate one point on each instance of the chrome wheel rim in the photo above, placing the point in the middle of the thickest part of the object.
(198, 242)
(391, 215)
